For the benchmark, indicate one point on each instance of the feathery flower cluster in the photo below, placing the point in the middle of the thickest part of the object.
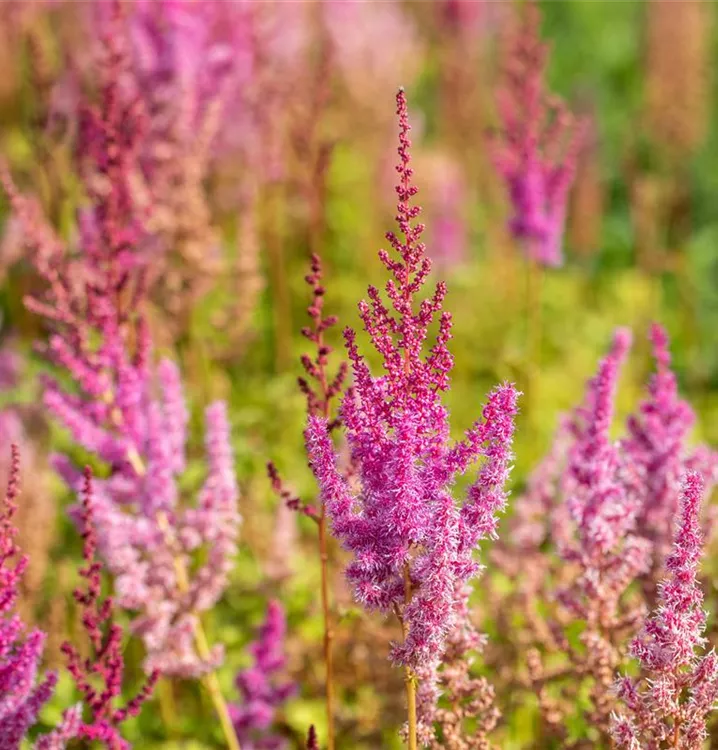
(101, 340)
(149, 540)
(656, 446)
(105, 636)
(678, 688)
(21, 697)
(261, 693)
(183, 73)
(537, 145)
(589, 490)
(411, 544)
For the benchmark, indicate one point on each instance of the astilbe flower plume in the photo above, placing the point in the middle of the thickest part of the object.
(600, 554)
(21, 696)
(184, 63)
(411, 544)
(668, 704)
(657, 446)
(106, 662)
(262, 693)
(536, 146)
(94, 301)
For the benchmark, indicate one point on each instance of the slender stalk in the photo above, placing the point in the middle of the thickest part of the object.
(210, 681)
(533, 343)
(322, 538)
(328, 630)
(409, 679)
(677, 733)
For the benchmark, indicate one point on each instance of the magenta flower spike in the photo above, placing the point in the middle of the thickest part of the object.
(657, 444)
(536, 146)
(678, 688)
(595, 527)
(21, 696)
(411, 543)
(262, 693)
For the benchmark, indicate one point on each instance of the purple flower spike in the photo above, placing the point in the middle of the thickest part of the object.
(412, 544)
(657, 446)
(262, 694)
(678, 688)
(537, 145)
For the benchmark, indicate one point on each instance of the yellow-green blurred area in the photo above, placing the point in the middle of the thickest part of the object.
(641, 245)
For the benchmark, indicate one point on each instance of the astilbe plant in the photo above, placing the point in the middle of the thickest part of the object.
(667, 706)
(657, 446)
(149, 539)
(412, 545)
(21, 695)
(591, 522)
(106, 662)
(536, 144)
(260, 686)
(588, 492)
(321, 391)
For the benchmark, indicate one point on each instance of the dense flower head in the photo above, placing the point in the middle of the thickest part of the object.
(262, 693)
(21, 697)
(147, 537)
(594, 526)
(656, 444)
(597, 497)
(536, 147)
(411, 544)
(678, 687)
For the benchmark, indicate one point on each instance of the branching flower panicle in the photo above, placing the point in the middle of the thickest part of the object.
(411, 544)
(262, 693)
(669, 704)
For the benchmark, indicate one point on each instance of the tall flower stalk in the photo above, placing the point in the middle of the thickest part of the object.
(667, 706)
(412, 545)
(320, 390)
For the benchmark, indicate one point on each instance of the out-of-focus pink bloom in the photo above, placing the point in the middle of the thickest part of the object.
(145, 535)
(446, 209)
(262, 693)
(372, 70)
(536, 146)
(678, 688)
(596, 524)
(657, 446)
(411, 544)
